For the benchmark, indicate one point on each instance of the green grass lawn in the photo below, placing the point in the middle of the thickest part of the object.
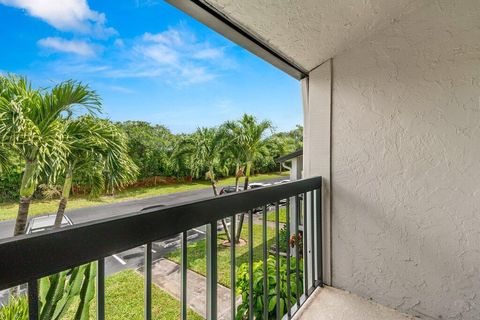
(9, 210)
(282, 215)
(196, 253)
(124, 299)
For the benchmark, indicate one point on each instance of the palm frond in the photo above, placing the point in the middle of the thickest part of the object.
(5, 162)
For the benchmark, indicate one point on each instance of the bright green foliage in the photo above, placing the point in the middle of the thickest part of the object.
(277, 145)
(258, 298)
(204, 147)
(31, 120)
(249, 136)
(16, 309)
(31, 125)
(151, 147)
(42, 139)
(284, 241)
(57, 292)
(98, 153)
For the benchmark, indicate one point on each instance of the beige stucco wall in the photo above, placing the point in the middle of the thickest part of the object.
(406, 164)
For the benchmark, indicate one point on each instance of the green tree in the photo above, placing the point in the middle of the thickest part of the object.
(205, 148)
(150, 147)
(31, 124)
(93, 143)
(233, 153)
(5, 162)
(249, 136)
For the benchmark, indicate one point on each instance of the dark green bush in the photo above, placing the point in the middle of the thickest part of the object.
(258, 299)
(10, 185)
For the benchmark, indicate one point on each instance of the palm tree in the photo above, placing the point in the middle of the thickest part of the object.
(249, 137)
(233, 153)
(205, 148)
(30, 122)
(4, 159)
(99, 148)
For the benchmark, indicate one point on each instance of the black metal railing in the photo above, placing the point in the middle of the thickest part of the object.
(27, 258)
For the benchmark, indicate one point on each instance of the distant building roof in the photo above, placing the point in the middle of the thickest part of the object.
(290, 156)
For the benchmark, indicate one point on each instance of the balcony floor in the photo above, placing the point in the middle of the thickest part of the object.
(333, 304)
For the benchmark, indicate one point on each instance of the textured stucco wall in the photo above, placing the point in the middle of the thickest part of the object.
(406, 164)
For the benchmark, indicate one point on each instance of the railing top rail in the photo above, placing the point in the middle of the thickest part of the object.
(29, 257)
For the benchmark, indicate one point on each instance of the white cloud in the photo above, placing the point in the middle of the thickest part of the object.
(78, 47)
(174, 56)
(171, 37)
(159, 53)
(66, 15)
(209, 53)
(119, 43)
(192, 75)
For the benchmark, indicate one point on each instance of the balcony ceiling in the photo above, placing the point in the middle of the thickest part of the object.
(308, 32)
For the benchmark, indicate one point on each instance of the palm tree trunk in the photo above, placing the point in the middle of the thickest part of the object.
(27, 188)
(237, 176)
(242, 216)
(22, 216)
(214, 187)
(67, 186)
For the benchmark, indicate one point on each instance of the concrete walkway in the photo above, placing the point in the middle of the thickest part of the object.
(167, 276)
(329, 303)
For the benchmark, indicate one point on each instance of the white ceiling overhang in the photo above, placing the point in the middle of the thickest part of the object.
(302, 33)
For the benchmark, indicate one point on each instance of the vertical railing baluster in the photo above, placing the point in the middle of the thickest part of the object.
(33, 312)
(184, 264)
(250, 265)
(233, 267)
(289, 290)
(297, 258)
(101, 289)
(147, 270)
(265, 266)
(312, 235)
(305, 244)
(277, 259)
(319, 236)
(212, 271)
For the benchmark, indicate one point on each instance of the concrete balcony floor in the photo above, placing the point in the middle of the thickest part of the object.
(328, 303)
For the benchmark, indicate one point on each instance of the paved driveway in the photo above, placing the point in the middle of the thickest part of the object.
(130, 206)
(132, 258)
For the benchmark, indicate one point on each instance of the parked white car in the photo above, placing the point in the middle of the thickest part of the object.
(43, 223)
(255, 185)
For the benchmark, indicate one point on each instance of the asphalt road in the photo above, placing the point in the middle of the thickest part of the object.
(130, 206)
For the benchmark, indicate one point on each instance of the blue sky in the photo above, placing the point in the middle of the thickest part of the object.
(147, 60)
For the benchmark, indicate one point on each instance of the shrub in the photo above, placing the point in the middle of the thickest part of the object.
(10, 185)
(292, 241)
(15, 309)
(258, 299)
(283, 239)
(56, 294)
